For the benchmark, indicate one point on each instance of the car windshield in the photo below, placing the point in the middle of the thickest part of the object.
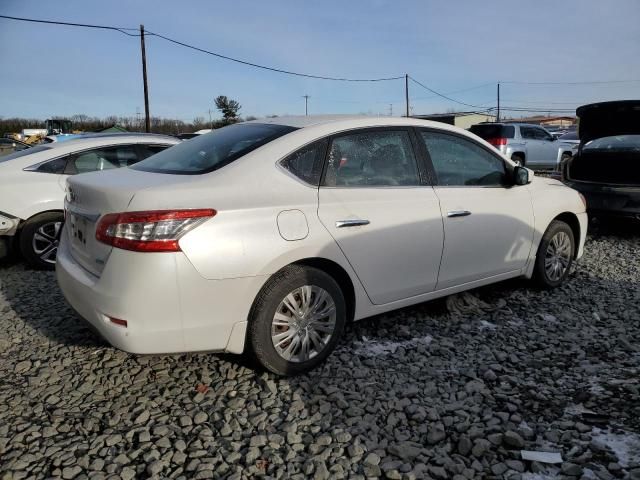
(569, 136)
(618, 143)
(488, 131)
(22, 153)
(214, 150)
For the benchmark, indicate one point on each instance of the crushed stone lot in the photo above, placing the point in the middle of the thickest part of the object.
(451, 389)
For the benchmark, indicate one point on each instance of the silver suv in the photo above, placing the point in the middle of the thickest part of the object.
(526, 144)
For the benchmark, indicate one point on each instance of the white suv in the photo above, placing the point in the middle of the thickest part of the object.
(32, 184)
(526, 144)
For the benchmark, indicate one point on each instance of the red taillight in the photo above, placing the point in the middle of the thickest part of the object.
(149, 231)
(497, 142)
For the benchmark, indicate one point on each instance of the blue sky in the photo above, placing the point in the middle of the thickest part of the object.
(447, 45)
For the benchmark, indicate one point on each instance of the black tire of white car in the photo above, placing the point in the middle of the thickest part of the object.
(263, 311)
(518, 159)
(540, 274)
(26, 241)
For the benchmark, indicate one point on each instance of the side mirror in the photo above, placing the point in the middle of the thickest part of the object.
(520, 175)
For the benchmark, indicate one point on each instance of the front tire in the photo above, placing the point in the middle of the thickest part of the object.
(39, 240)
(555, 255)
(296, 320)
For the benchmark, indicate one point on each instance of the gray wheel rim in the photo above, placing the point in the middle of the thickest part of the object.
(45, 241)
(303, 324)
(558, 256)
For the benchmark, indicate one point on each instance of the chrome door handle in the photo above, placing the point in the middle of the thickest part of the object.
(458, 213)
(351, 223)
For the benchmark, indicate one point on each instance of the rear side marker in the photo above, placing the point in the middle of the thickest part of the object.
(117, 321)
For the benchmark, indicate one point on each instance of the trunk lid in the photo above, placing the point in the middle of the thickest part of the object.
(607, 119)
(92, 195)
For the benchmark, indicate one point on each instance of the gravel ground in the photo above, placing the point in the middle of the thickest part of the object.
(451, 389)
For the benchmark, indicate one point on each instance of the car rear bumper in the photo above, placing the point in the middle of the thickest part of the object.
(168, 306)
(609, 199)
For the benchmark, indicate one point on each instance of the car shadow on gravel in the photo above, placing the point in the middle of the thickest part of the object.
(35, 298)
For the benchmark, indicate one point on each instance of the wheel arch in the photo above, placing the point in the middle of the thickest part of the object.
(22, 222)
(571, 219)
(340, 275)
(520, 153)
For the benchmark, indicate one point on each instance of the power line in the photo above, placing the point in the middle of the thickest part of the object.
(442, 95)
(69, 24)
(593, 82)
(273, 69)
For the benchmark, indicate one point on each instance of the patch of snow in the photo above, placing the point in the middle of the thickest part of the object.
(484, 324)
(373, 348)
(578, 409)
(625, 445)
(595, 387)
(553, 473)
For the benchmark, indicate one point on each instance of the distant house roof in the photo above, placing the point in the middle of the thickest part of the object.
(540, 119)
(452, 114)
(113, 129)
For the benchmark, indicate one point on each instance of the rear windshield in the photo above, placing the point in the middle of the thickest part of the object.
(487, 131)
(618, 143)
(22, 153)
(608, 160)
(214, 150)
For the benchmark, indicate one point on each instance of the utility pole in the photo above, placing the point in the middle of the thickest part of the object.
(138, 123)
(391, 109)
(306, 100)
(498, 112)
(147, 123)
(406, 91)
(210, 121)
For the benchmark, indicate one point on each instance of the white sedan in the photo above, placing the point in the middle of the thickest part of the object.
(32, 184)
(269, 236)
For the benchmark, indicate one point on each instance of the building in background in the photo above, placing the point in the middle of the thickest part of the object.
(545, 121)
(459, 119)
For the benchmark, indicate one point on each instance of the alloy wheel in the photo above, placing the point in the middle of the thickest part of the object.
(303, 323)
(45, 241)
(558, 256)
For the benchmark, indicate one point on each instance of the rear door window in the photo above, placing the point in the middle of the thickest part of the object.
(542, 134)
(372, 158)
(105, 158)
(528, 133)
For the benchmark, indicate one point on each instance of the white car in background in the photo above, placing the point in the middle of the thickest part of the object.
(273, 235)
(32, 186)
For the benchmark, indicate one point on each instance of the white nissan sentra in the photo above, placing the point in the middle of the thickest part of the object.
(269, 236)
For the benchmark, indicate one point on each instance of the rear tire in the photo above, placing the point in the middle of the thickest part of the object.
(555, 255)
(39, 240)
(518, 159)
(290, 341)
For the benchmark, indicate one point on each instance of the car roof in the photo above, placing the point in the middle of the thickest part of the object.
(122, 134)
(101, 139)
(506, 124)
(56, 149)
(346, 122)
